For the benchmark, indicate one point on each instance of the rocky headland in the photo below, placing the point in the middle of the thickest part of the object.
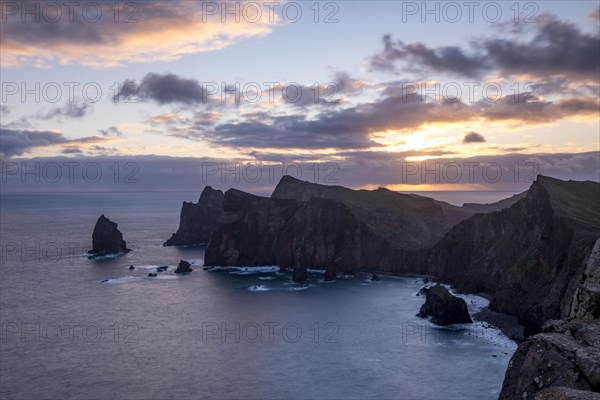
(534, 255)
(198, 221)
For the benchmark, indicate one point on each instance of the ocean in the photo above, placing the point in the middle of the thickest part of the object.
(74, 328)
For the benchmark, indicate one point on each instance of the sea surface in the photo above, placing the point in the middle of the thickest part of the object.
(73, 328)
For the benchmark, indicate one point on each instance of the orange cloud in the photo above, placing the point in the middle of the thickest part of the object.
(163, 32)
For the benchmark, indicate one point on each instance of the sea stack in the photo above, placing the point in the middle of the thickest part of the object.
(444, 308)
(107, 239)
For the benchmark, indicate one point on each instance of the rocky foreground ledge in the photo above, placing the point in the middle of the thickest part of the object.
(562, 362)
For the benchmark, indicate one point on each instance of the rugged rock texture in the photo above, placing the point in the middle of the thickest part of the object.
(562, 393)
(530, 256)
(198, 221)
(444, 308)
(586, 301)
(318, 233)
(183, 267)
(422, 219)
(107, 239)
(566, 356)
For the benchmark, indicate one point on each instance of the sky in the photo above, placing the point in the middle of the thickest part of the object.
(413, 96)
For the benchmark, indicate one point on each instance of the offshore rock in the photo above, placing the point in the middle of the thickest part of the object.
(444, 307)
(107, 239)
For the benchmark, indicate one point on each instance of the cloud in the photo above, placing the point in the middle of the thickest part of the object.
(473, 137)
(145, 31)
(556, 48)
(72, 109)
(526, 107)
(357, 127)
(163, 89)
(353, 169)
(72, 150)
(447, 59)
(18, 142)
(111, 131)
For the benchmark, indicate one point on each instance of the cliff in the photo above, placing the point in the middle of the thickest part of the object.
(198, 221)
(304, 225)
(562, 362)
(530, 256)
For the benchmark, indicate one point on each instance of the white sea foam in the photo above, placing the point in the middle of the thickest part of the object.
(246, 270)
(258, 288)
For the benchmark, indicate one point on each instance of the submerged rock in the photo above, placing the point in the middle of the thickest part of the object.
(107, 239)
(152, 275)
(444, 308)
(375, 278)
(183, 267)
(131, 267)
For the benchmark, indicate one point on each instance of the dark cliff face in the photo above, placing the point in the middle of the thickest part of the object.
(107, 239)
(531, 255)
(565, 358)
(198, 221)
(343, 231)
(330, 227)
(405, 221)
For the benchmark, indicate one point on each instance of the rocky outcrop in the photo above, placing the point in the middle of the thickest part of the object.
(444, 308)
(198, 221)
(562, 393)
(318, 233)
(561, 361)
(107, 239)
(184, 267)
(422, 219)
(305, 225)
(585, 305)
(530, 256)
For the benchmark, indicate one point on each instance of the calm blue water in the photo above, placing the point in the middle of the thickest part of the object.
(73, 328)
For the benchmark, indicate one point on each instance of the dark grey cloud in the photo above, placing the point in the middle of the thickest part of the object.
(446, 59)
(556, 48)
(352, 127)
(527, 107)
(18, 142)
(72, 150)
(72, 109)
(348, 128)
(163, 89)
(111, 131)
(473, 137)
